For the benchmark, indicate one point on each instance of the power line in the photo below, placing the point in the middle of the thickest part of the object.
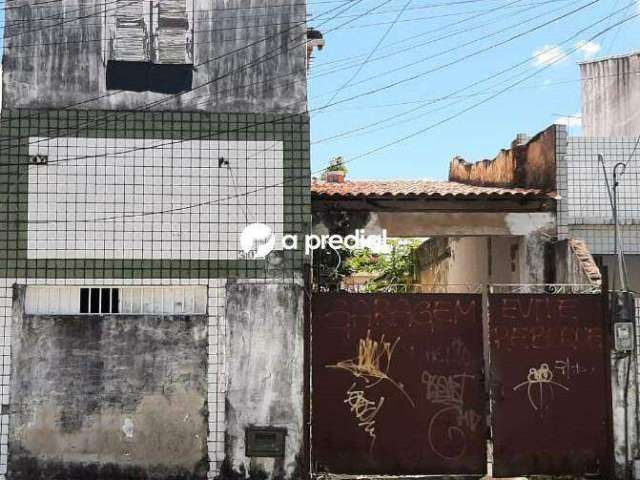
(444, 37)
(440, 28)
(13, 45)
(529, 87)
(371, 53)
(431, 56)
(368, 153)
(376, 90)
(545, 67)
(278, 34)
(473, 41)
(312, 77)
(427, 102)
(158, 145)
(465, 57)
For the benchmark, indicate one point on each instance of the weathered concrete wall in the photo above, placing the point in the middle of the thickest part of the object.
(537, 254)
(475, 261)
(633, 271)
(428, 224)
(611, 96)
(469, 261)
(249, 56)
(108, 397)
(519, 241)
(265, 370)
(532, 165)
(624, 415)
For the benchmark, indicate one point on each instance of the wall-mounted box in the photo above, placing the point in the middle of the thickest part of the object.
(265, 441)
(623, 336)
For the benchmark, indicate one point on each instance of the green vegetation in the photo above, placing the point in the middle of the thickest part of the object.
(336, 164)
(392, 272)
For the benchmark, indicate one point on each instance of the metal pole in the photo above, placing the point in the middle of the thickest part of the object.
(616, 231)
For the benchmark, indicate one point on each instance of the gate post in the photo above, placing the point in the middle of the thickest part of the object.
(606, 350)
(486, 352)
(305, 462)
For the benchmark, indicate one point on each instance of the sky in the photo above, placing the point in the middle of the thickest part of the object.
(403, 86)
(448, 78)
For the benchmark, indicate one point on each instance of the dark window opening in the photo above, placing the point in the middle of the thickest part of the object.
(84, 300)
(115, 300)
(99, 300)
(149, 77)
(105, 300)
(95, 301)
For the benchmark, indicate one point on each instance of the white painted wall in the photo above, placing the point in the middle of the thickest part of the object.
(483, 260)
(97, 197)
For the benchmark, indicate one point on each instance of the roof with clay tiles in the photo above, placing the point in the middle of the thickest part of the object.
(418, 188)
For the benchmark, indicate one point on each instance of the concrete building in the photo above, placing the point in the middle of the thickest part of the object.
(477, 235)
(611, 96)
(583, 232)
(527, 220)
(138, 140)
(611, 125)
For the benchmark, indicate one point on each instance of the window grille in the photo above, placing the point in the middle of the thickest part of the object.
(130, 300)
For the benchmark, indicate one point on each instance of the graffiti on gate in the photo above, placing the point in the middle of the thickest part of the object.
(365, 411)
(372, 363)
(538, 381)
(377, 405)
(452, 419)
(549, 371)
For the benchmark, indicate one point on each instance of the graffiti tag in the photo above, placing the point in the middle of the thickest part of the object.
(452, 418)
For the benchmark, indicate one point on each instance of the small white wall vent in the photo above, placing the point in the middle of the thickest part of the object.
(116, 300)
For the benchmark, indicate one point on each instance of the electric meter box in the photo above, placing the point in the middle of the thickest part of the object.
(623, 336)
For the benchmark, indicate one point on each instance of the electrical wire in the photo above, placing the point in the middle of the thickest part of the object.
(371, 53)
(171, 97)
(365, 154)
(379, 89)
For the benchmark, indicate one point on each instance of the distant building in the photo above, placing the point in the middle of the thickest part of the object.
(611, 127)
(611, 96)
(582, 240)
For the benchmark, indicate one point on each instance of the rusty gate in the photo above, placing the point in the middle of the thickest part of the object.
(549, 384)
(397, 384)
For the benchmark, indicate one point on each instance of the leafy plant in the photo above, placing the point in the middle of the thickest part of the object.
(393, 272)
(336, 164)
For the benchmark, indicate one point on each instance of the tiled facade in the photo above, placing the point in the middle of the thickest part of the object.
(216, 332)
(144, 199)
(584, 210)
(191, 212)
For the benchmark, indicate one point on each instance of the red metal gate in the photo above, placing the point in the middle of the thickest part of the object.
(397, 384)
(549, 384)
